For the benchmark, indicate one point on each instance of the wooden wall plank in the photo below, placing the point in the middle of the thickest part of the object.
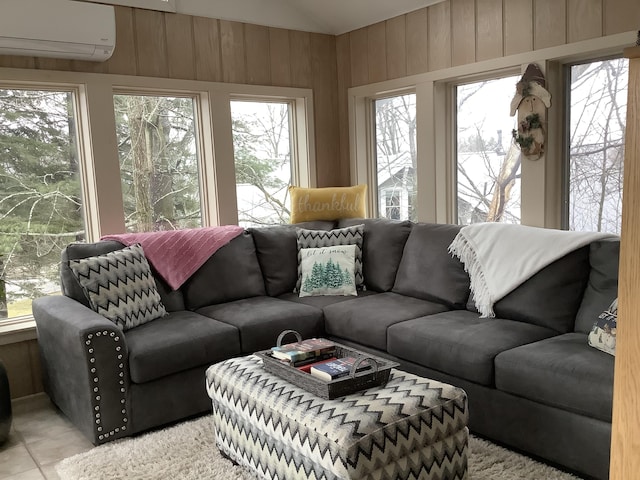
(549, 23)
(439, 16)
(232, 51)
(46, 63)
(123, 60)
(463, 38)
(11, 61)
(35, 366)
(396, 47)
(489, 29)
(417, 42)
(17, 361)
(325, 90)
(621, 16)
(518, 26)
(300, 48)
(359, 57)
(625, 443)
(180, 46)
(206, 37)
(257, 50)
(584, 20)
(377, 52)
(343, 62)
(151, 43)
(280, 57)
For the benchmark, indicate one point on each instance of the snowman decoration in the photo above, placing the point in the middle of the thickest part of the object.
(531, 102)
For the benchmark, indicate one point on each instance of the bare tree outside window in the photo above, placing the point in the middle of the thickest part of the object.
(158, 162)
(40, 194)
(488, 161)
(262, 151)
(598, 98)
(396, 156)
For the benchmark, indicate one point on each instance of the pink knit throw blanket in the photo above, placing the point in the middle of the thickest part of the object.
(177, 254)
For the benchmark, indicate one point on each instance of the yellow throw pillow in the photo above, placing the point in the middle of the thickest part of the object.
(330, 203)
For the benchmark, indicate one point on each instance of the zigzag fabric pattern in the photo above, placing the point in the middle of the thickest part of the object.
(413, 428)
(330, 238)
(119, 286)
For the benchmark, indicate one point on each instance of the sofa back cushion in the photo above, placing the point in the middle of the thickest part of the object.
(551, 297)
(602, 288)
(232, 273)
(277, 251)
(382, 248)
(427, 269)
(172, 300)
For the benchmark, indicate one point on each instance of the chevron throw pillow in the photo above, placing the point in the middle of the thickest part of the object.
(332, 238)
(120, 286)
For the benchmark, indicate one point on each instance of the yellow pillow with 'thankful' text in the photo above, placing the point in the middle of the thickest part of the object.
(329, 203)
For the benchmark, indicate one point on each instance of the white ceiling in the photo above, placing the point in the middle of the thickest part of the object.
(322, 16)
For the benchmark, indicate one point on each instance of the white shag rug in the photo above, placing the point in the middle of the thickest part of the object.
(187, 451)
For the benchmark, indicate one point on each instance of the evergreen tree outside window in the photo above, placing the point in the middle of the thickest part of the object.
(157, 149)
(41, 208)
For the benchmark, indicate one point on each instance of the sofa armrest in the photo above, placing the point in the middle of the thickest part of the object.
(85, 366)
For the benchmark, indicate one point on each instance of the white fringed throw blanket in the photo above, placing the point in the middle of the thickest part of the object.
(500, 257)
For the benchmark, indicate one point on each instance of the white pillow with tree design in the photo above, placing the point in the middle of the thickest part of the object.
(328, 271)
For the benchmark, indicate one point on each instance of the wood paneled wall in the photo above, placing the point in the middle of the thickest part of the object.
(22, 362)
(459, 32)
(158, 44)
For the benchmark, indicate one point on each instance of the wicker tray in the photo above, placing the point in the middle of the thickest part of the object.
(375, 376)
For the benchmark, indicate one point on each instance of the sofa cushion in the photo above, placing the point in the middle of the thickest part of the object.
(322, 238)
(381, 235)
(551, 297)
(427, 269)
(366, 319)
(278, 254)
(233, 272)
(460, 343)
(322, 301)
(328, 271)
(562, 372)
(120, 286)
(74, 251)
(604, 257)
(261, 319)
(178, 342)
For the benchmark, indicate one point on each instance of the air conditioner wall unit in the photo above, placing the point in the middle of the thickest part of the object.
(58, 29)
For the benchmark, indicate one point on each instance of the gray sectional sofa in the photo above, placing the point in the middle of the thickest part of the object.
(533, 382)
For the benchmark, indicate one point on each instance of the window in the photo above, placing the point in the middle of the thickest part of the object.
(598, 100)
(158, 162)
(396, 156)
(262, 153)
(41, 208)
(488, 161)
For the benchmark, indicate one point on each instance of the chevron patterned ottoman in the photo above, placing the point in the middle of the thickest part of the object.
(413, 428)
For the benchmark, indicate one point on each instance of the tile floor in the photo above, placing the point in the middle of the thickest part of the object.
(40, 437)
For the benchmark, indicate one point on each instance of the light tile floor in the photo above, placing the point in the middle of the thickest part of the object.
(40, 437)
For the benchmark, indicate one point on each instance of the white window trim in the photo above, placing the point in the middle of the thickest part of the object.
(542, 190)
(100, 170)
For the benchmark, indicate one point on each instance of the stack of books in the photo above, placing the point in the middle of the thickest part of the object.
(329, 370)
(306, 352)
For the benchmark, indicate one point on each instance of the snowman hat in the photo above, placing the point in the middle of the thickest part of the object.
(534, 90)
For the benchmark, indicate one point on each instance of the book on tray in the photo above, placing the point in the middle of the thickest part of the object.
(309, 350)
(332, 369)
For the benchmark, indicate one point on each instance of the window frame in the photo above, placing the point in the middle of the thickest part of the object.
(541, 199)
(97, 146)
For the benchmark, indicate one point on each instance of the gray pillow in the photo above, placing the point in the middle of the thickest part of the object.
(119, 286)
(340, 236)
